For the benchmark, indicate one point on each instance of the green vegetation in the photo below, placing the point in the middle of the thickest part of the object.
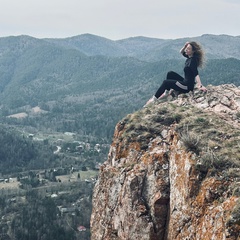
(31, 173)
(18, 153)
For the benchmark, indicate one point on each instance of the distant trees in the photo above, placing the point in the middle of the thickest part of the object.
(221, 71)
(18, 153)
(41, 217)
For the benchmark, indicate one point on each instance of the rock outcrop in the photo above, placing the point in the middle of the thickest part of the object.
(173, 171)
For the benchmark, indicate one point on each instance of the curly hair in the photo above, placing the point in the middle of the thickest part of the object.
(198, 53)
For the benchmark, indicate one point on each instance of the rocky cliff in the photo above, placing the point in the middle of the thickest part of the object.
(173, 171)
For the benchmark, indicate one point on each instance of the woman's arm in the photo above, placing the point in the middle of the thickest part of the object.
(199, 84)
(183, 48)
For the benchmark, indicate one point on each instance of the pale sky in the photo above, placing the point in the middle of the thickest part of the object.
(119, 19)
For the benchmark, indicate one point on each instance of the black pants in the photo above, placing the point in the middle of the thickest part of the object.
(173, 81)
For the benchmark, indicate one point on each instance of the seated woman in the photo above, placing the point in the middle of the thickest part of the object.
(194, 54)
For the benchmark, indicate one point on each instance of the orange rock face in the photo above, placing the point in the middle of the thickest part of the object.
(153, 186)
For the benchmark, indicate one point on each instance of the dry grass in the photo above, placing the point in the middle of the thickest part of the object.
(215, 142)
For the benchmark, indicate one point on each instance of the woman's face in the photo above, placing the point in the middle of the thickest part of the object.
(188, 50)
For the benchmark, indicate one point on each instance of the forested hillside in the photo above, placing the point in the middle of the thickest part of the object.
(90, 93)
(18, 153)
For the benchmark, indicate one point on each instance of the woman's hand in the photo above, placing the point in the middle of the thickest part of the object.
(202, 88)
(199, 84)
(185, 45)
(183, 48)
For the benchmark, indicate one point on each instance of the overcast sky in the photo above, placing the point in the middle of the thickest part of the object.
(119, 19)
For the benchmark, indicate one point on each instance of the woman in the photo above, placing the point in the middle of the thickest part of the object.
(194, 54)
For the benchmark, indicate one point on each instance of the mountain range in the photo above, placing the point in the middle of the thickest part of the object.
(95, 81)
(151, 49)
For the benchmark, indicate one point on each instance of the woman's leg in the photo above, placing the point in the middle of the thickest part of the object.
(171, 84)
(174, 76)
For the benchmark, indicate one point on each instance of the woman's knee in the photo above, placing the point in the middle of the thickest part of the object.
(170, 75)
(166, 84)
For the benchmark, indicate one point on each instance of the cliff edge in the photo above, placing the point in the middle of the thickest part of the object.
(173, 171)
